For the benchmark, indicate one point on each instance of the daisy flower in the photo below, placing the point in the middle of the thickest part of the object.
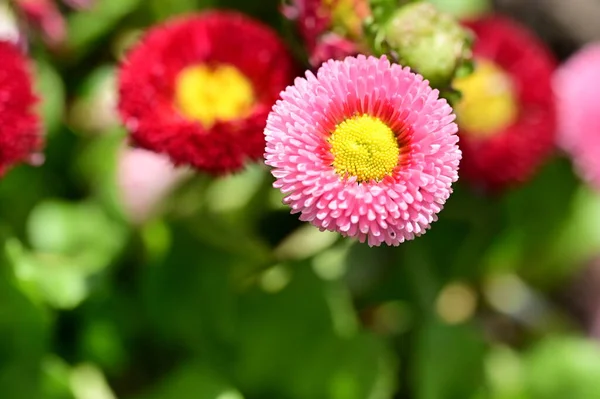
(199, 88)
(577, 87)
(20, 135)
(365, 148)
(506, 116)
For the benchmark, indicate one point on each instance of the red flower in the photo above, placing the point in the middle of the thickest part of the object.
(507, 117)
(199, 88)
(19, 125)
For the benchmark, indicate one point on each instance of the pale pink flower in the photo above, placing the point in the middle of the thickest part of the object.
(365, 148)
(577, 88)
(9, 26)
(144, 179)
(45, 15)
(332, 46)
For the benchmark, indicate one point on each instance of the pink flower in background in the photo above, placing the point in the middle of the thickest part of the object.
(365, 148)
(330, 29)
(144, 179)
(577, 88)
(332, 46)
(46, 16)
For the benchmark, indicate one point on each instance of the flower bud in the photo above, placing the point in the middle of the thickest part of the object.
(432, 43)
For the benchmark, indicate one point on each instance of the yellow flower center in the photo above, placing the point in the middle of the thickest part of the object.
(210, 94)
(489, 104)
(365, 147)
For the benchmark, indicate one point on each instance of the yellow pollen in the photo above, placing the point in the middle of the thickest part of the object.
(489, 104)
(365, 147)
(210, 94)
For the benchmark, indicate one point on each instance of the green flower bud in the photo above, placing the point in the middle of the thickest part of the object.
(432, 43)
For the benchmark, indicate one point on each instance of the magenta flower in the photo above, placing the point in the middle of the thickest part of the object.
(577, 89)
(145, 179)
(365, 148)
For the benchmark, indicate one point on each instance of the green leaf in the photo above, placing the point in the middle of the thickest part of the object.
(164, 9)
(194, 380)
(193, 279)
(579, 239)
(301, 342)
(86, 27)
(563, 367)
(535, 216)
(24, 338)
(96, 169)
(448, 361)
(50, 89)
(81, 231)
(71, 242)
(57, 280)
(55, 378)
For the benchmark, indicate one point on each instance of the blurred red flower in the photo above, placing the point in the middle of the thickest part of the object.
(507, 117)
(199, 88)
(20, 129)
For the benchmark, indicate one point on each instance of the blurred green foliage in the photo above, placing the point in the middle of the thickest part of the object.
(224, 295)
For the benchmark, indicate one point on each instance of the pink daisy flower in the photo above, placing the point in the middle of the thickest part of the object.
(365, 148)
(577, 88)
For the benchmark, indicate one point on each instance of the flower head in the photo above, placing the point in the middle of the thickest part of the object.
(199, 88)
(506, 116)
(365, 148)
(577, 87)
(20, 134)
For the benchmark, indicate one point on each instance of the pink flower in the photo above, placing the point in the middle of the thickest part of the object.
(45, 15)
(329, 29)
(365, 148)
(577, 88)
(332, 46)
(144, 179)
